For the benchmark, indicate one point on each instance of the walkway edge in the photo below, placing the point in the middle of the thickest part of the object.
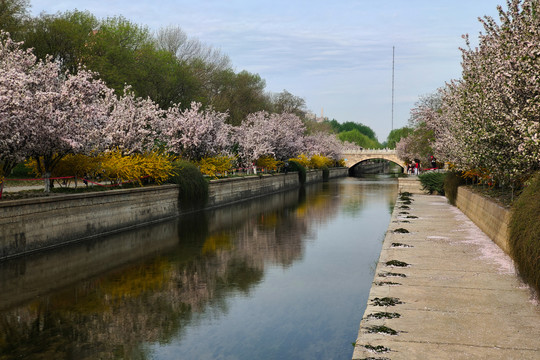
(460, 297)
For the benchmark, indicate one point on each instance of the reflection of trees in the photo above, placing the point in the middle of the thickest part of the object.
(219, 254)
(358, 194)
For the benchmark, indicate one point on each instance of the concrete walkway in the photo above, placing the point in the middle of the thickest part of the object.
(460, 299)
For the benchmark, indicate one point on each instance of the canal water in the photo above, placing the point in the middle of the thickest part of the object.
(281, 277)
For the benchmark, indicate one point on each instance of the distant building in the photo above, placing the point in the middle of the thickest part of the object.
(313, 117)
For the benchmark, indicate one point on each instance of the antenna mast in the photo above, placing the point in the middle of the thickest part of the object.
(393, 56)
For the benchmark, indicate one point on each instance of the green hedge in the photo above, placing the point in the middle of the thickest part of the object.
(302, 174)
(20, 172)
(525, 233)
(451, 183)
(433, 181)
(193, 186)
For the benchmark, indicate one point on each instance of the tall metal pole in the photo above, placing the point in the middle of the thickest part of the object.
(393, 56)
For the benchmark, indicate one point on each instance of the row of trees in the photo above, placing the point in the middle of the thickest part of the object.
(167, 66)
(489, 120)
(46, 113)
(356, 133)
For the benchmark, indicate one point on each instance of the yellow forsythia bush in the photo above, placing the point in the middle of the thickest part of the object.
(481, 175)
(156, 165)
(320, 162)
(268, 163)
(112, 166)
(303, 160)
(77, 165)
(216, 165)
(119, 168)
(70, 165)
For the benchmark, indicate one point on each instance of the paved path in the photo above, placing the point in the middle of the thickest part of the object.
(461, 297)
(12, 189)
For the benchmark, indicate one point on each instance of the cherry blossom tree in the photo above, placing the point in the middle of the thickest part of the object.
(195, 133)
(16, 67)
(424, 121)
(135, 125)
(322, 143)
(287, 135)
(253, 139)
(66, 116)
(489, 120)
(262, 134)
(493, 112)
(47, 114)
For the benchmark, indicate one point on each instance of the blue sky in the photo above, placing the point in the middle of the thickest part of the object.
(337, 55)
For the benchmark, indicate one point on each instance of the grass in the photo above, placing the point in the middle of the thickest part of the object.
(397, 263)
(392, 274)
(381, 329)
(384, 315)
(386, 301)
(15, 183)
(384, 283)
(378, 349)
(401, 245)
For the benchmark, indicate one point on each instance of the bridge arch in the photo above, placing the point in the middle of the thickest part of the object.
(353, 157)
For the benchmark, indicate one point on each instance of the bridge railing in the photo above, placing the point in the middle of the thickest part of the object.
(369, 151)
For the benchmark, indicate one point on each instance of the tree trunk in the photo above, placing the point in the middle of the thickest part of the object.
(46, 177)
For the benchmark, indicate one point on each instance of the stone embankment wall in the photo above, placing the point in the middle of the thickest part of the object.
(410, 184)
(231, 190)
(36, 224)
(33, 224)
(490, 217)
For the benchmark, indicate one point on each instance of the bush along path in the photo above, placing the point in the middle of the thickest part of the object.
(444, 290)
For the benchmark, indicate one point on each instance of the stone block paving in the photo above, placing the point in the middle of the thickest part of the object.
(451, 294)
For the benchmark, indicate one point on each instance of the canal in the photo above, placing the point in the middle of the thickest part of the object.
(282, 277)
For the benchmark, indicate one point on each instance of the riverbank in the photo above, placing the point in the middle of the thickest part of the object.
(30, 225)
(452, 293)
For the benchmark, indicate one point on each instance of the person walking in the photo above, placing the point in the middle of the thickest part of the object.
(433, 162)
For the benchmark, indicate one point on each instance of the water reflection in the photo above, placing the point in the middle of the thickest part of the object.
(253, 280)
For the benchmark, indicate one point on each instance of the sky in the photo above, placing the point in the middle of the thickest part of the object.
(335, 54)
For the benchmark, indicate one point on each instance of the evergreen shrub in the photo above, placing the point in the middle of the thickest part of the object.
(525, 233)
(20, 172)
(451, 183)
(296, 166)
(433, 181)
(193, 186)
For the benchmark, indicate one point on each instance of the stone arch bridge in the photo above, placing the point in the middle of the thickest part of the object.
(353, 157)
